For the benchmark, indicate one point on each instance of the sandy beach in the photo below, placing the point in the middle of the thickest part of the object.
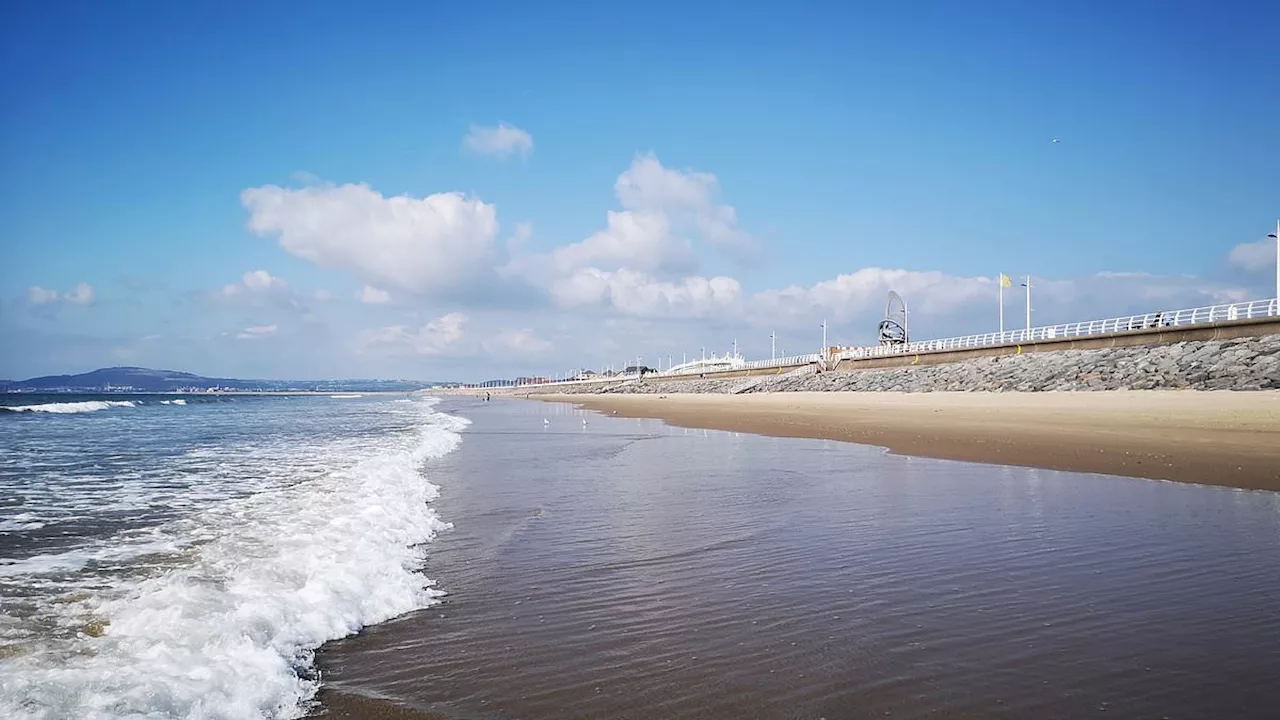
(1218, 438)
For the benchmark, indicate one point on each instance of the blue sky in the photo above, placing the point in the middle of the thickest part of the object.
(902, 146)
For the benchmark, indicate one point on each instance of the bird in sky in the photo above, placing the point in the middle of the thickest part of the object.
(1056, 141)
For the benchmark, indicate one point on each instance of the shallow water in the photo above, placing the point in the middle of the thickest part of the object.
(625, 569)
(184, 560)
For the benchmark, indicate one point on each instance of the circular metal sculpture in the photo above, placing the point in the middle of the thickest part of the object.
(893, 328)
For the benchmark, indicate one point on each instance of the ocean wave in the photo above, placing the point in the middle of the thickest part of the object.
(179, 401)
(22, 521)
(266, 579)
(83, 406)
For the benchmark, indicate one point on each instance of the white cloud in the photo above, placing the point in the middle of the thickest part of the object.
(635, 285)
(260, 280)
(636, 293)
(40, 296)
(500, 141)
(523, 341)
(941, 305)
(254, 281)
(639, 239)
(373, 296)
(690, 196)
(421, 246)
(663, 210)
(257, 333)
(323, 295)
(81, 294)
(1254, 256)
(434, 338)
(860, 293)
(647, 184)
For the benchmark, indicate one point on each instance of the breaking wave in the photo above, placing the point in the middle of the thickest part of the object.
(72, 407)
(224, 617)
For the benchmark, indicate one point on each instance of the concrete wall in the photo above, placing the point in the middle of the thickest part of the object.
(1224, 330)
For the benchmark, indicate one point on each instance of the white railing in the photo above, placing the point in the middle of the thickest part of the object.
(1170, 318)
(1251, 310)
(748, 365)
(782, 362)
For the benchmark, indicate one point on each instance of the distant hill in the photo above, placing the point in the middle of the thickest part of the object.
(137, 379)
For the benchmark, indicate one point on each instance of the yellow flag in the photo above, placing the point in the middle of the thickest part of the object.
(1005, 281)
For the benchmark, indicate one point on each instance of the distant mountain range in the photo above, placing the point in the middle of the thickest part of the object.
(136, 379)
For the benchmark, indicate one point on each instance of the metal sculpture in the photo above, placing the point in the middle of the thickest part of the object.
(893, 328)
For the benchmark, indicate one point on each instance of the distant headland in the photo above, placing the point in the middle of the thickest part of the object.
(147, 380)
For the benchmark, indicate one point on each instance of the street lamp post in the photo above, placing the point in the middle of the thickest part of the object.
(1027, 285)
(1276, 235)
(773, 345)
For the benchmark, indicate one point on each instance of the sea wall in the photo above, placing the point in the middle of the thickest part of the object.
(1237, 364)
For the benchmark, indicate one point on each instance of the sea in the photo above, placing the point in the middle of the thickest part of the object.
(393, 555)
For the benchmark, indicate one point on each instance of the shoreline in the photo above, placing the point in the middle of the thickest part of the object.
(1224, 438)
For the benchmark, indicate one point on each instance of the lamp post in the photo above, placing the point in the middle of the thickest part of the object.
(1027, 285)
(1276, 235)
(773, 345)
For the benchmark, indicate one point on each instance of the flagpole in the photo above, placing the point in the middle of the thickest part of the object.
(1000, 285)
(1028, 307)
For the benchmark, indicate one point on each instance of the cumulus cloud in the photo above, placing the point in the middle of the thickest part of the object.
(689, 196)
(39, 296)
(637, 239)
(647, 184)
(636, 293)
(260, 280)
(373, 296)
(422, 246)
(254, 281)
(256, 333)
(860, 293)
(940, 304)
(664, 210)
(1254, 256)
(434, 338)
(322, 295)
(501, 141)
(81, 294)
(636, 285)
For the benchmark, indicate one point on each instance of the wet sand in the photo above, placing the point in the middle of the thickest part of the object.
(626, 568)
(1216, 438)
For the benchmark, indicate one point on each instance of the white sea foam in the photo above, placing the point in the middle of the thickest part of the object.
(344, 396)
(179, 401)
(72, 407)
(230, 631)
(21, 521)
